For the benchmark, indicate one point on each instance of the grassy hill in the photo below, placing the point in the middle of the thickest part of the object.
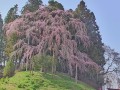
(41, 81)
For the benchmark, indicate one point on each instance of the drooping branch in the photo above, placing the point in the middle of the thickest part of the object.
(44, 29)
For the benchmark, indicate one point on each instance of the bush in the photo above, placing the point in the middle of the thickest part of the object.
(9, 69)
(43, 62)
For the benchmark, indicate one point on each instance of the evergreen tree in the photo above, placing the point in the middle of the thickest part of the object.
(1, 41)
(12, 14)
(95, 51)
(54, 5)
(9, 69)
(32, 5)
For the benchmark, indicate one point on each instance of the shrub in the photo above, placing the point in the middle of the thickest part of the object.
(43, 62)
(9, 69)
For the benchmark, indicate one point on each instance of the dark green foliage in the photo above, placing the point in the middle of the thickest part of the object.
(12, 14)
(1, 40)
(42, 62)
(32, 5)
(54, 5)
(9, 69)
(9, 44)
(95, 51)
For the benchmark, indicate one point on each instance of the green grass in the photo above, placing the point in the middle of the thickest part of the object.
(41, 81)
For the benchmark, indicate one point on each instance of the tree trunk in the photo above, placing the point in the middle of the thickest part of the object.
(19, 64)
(15, 64)
(4, 62)
(41, 69)
(52, 68)
(70, 70)
(26, 65)
(76, 73)
(53, 63)
(30, 67)
(22, 65)
(27, 58)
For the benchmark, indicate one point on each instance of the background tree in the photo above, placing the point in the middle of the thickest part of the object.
(111, 70)
(9, 44)
(112, 59)
(9, 48)
(2, 42)
(12, 14)
(54, 5)
(32, 5)
(95, 51)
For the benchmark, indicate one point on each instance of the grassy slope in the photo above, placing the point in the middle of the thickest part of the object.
(41, 81)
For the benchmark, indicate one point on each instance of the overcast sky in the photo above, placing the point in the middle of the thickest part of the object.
(106, 11)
